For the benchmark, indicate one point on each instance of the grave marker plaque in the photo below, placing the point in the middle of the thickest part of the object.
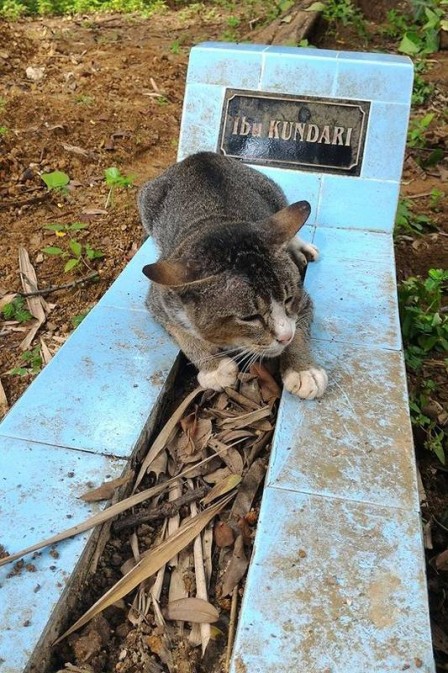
(304, 133)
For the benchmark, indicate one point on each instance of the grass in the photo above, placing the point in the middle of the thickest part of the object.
(424, 326)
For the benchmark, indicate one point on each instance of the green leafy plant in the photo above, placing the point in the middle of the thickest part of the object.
(417, 130)
(408, 222)
(343, 11)
(175, 47)
(57, 180)
(32, 363)
(115, 179)
(436, 439)
(424, 324)
(421, 91)
(436, 197)
(74, 252)
(16, 310)
(423, 37)
(3, 130)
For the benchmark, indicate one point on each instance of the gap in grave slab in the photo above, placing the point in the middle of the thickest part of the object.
(127, 636)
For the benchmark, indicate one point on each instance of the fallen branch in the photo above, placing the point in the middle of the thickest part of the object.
(55, 288)
(167, 510)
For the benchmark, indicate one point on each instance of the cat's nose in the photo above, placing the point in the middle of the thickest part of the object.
(284, 339)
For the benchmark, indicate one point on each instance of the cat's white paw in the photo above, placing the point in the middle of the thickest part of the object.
(307, 384)
(224, 376)
(310, 251)
(302, 252)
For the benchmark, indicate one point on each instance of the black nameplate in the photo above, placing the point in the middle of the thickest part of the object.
(311, 134)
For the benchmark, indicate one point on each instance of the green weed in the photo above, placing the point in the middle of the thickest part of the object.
(436, 439)
(56, 181)
(417, 130)
(32, 363)
(16, 310)
(74, 252)
(424, 323)
(423, 36)
(421, 91)
(115, 179)
(407, 222)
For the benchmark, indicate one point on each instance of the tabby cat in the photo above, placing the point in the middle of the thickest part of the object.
(228, 284)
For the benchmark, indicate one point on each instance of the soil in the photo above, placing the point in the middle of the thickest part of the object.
(110, 94)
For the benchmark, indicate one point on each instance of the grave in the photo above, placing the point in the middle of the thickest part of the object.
(337, 581)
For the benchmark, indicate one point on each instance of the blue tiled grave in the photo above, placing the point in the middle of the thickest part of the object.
(336, 583)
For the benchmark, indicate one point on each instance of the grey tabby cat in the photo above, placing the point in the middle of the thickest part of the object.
(228, 283)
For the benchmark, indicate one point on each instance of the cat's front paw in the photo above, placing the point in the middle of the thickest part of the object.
(307, 384)
(225, 376)
(302, 252)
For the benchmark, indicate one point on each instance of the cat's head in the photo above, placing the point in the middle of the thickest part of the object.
(237, 286)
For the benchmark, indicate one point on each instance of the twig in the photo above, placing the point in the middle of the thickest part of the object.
(418, 196)
(24, 202)
(168, 509)
(232, 625)
(55, 288)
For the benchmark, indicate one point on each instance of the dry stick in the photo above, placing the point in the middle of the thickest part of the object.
(232, 627)
(168, 509)
(55, 288)
(201, 582)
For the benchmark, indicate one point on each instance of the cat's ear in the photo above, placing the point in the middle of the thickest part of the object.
(285, 224)
(172, 273)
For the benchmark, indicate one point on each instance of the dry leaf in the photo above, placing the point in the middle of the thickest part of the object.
(93, 212)
(236, 569)
(159, 465)
(164, 435)
(4, 405)
(222, 487)
(35, 304)
(242, 400)
(150, 563)
(194, 610)
(106, 490)
(250, 388)
(246, 419)
(224, 535)
(46, 355)
(230, 456)
(248, 489)
(269, 388)
(217, 475)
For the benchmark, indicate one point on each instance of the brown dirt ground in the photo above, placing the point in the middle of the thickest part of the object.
(92, 110)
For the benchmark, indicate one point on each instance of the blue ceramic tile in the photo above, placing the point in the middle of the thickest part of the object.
(237, 68)
(302, 52)
(295, 72)
(242, 47)
(334, 586)
(130, 288)
(373, 80)
(376, 57)
(296, 185)
(201, 118)
(356, 203)
(353, 289)
(355, 442)
(100, 388)
(40, 488)
(386, 142)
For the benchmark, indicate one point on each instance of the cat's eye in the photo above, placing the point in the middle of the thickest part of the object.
(252, 318)
(289, 300)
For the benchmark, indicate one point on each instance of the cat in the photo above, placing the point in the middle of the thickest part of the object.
(228, 284)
